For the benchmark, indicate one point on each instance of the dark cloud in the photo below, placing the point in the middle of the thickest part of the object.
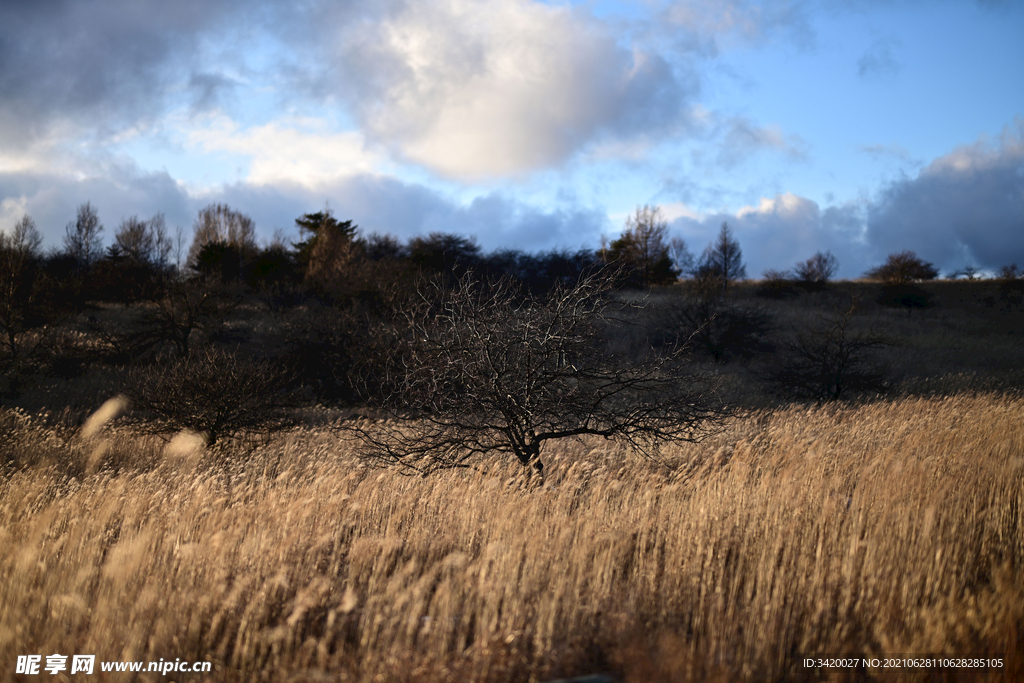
(964, 208)
(52, 200)
(209, 90)
(96, 65)
(386, 205)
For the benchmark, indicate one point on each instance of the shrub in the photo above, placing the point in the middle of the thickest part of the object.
(829, 360)
(814, 273)
(221, 395)
(712, 325)
(903, 268)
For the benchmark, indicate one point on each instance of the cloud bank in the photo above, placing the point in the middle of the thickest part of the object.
(964, 208)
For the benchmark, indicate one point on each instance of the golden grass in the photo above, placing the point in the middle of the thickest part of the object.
(887, 528)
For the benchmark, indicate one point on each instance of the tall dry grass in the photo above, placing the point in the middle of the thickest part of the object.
(877, 529)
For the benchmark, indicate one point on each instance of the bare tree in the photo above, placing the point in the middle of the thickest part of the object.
(163, 245)
(816, 271)
(1010, 272)
(697, 314)
(218, 223)
(830, 359)
(903, 268)
(82, 237)
(220, 395)
(480, 371)
(682, 257)
(25, 239)
(143, 241)
(19, 291)
(133, 241)
(968, 272)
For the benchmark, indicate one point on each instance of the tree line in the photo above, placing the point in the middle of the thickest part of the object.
(473, 353)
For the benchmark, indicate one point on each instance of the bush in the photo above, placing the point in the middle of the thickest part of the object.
(829, 360)
(210, 392)
(903, 268)
(814, 273)
(713, 325)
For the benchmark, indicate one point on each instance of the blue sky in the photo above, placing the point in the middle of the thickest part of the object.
(859, 126)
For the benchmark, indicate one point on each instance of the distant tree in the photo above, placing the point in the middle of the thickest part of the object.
(220, 261)
(1010, 272)
(696, 314)
(132, 241)
(903, 268)
(20, 293)
(830, 359)
(445, 254)
(643, 247)
(682, 258)
(379, 247)
(331, 258)
(816, 271)
(723, 259)
(137, 262)
(323, 229)
(25, 238)
(777, 284)
(218, 223)
(82, 237)
(273, 269)
(481, 371)
(185, 309)
(967, 272)
(143, 242)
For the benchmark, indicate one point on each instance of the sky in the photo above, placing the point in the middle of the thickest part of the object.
(862, 127)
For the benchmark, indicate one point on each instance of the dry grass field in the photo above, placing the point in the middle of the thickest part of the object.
(882, 528)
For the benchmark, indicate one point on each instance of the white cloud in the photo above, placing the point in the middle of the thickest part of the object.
(294, 151)
(673, 210)
(475, 89)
